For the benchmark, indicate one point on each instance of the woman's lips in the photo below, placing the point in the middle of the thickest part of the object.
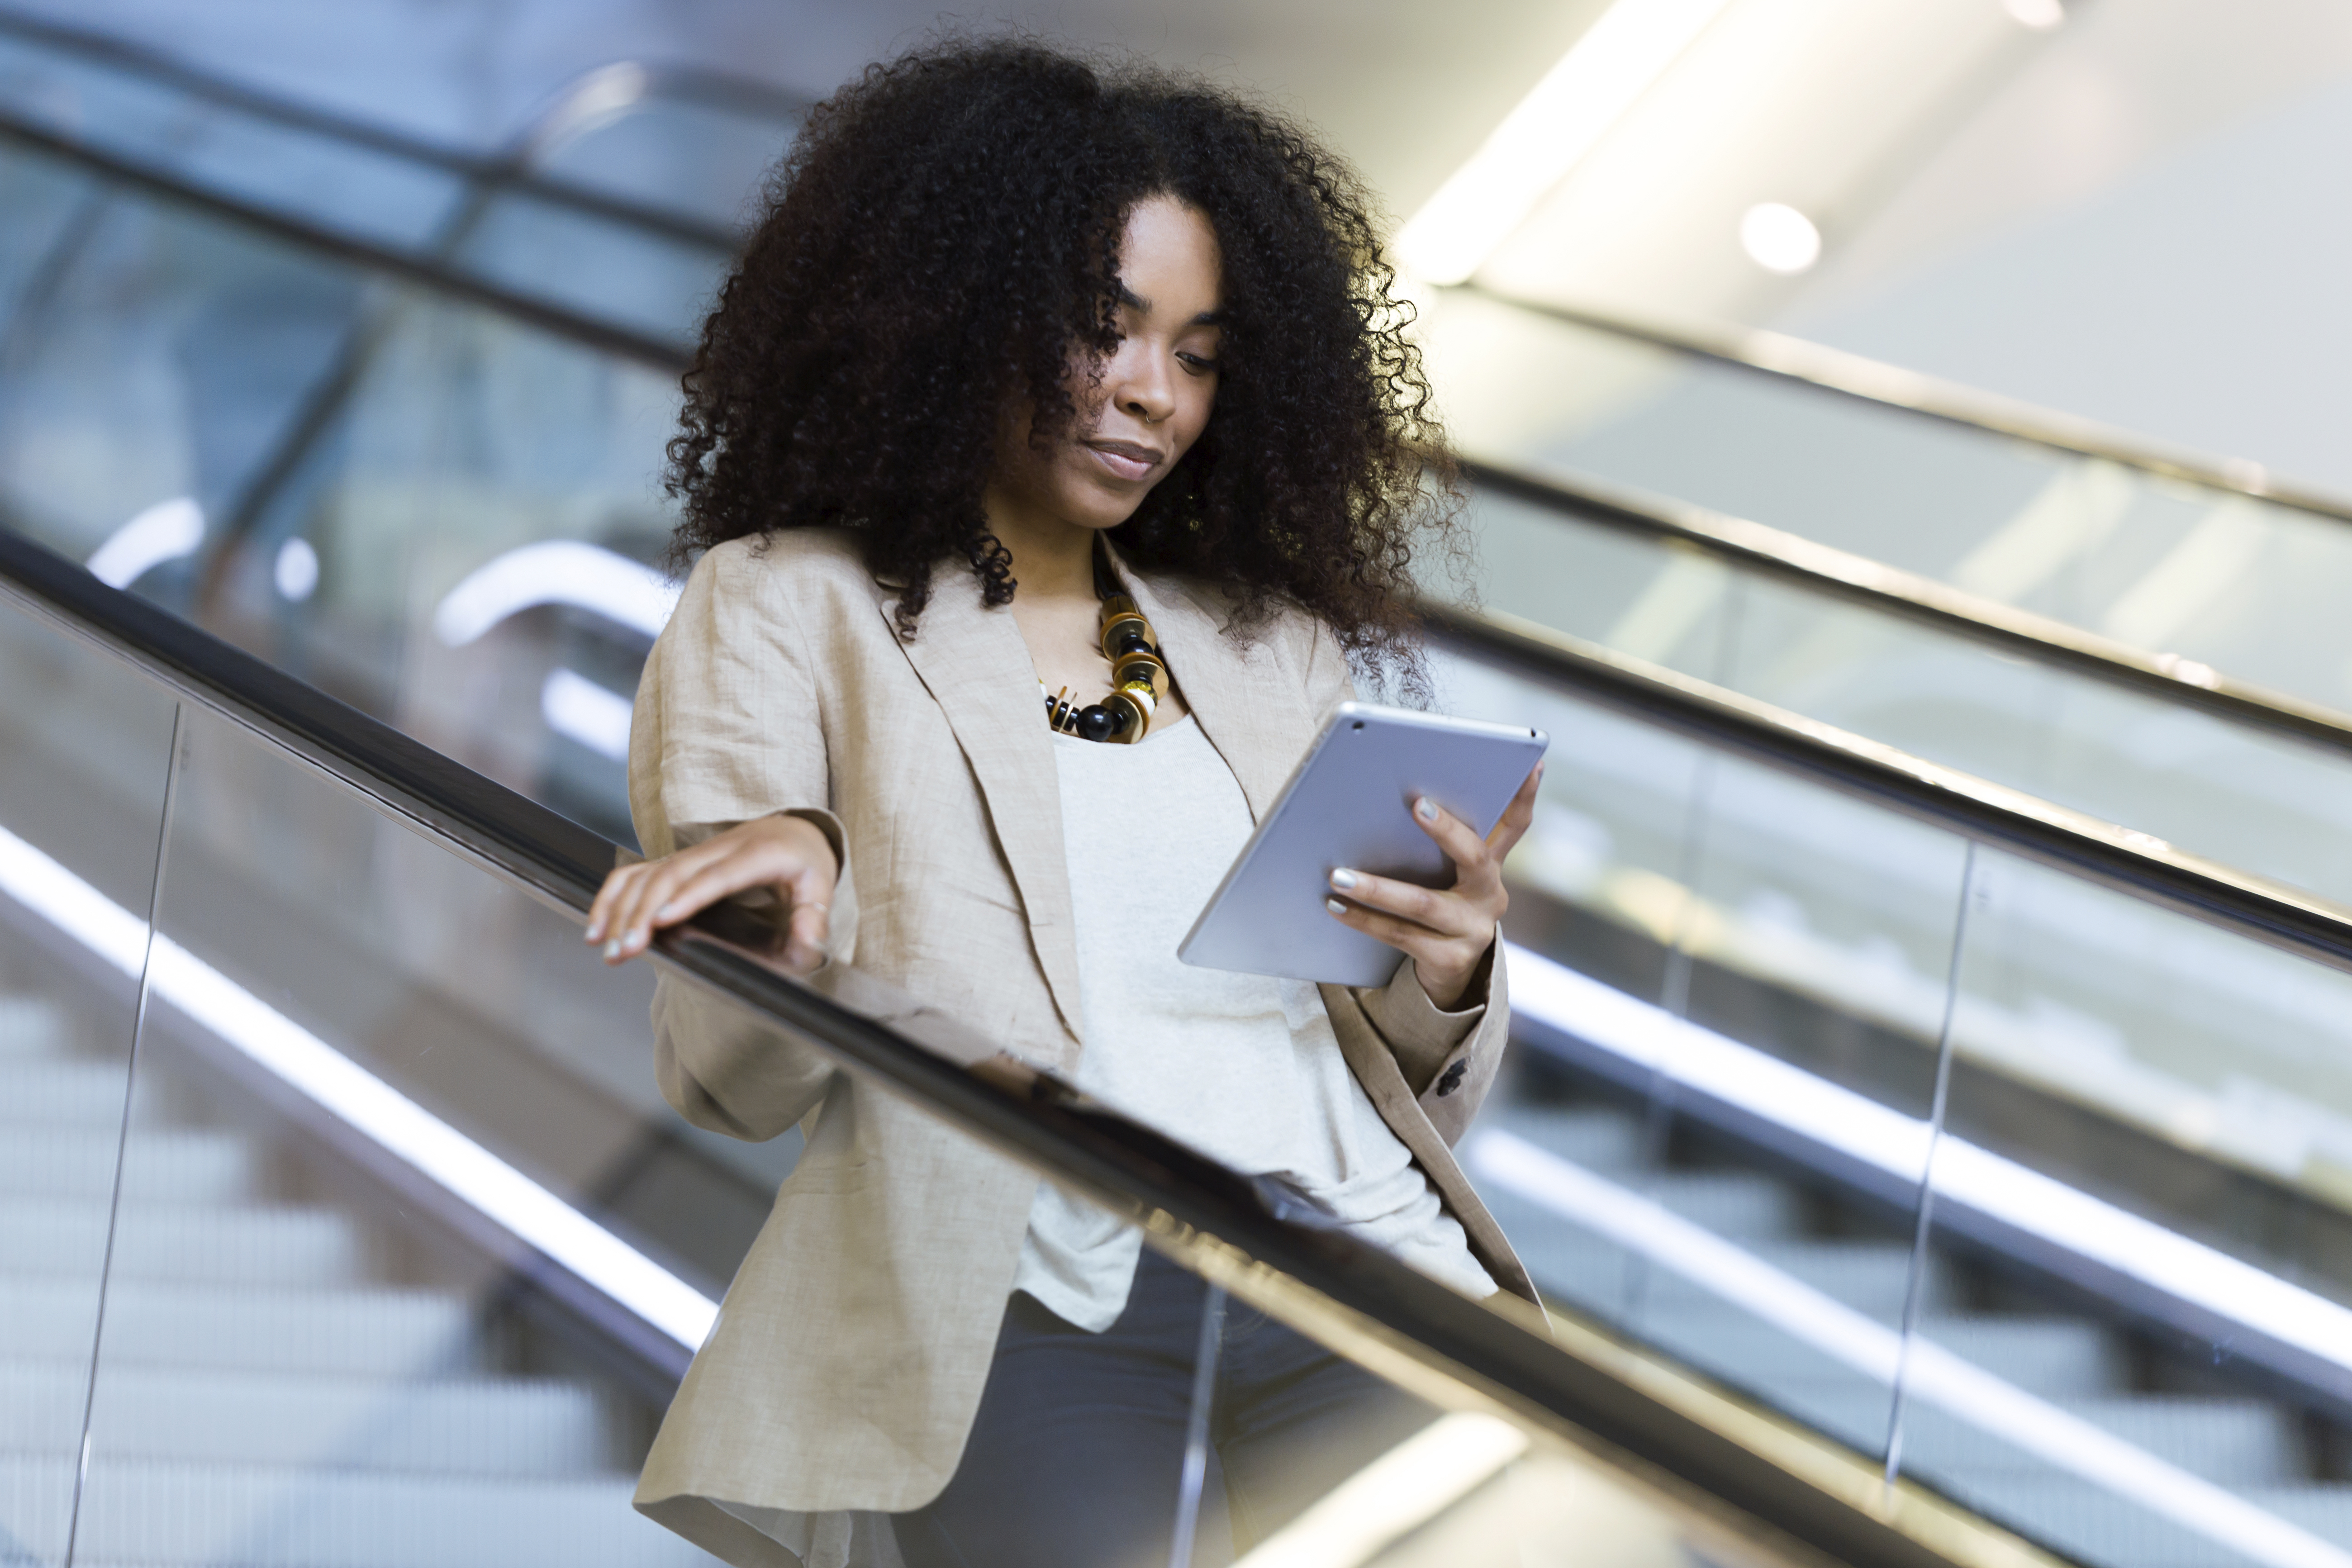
(1125, 458)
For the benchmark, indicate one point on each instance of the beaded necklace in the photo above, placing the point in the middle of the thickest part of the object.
(1135, 666)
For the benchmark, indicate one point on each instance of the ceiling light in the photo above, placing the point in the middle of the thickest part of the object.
(1571, 109)
(577, 708)
(556, 572)
(2039, 15)
(297, 571)
(165, 532)
(1780, 239)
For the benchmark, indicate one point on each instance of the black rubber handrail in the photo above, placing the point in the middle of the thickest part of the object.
(1837, 574)
(1788, 359)
(2129, 861)
(1330, 1283)
(508, 173)
(560, 320)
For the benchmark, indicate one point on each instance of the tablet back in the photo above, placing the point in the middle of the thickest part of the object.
(1351, 803)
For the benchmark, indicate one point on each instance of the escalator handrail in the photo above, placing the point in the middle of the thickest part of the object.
(1838, 573)
(410, 267)
(1342, 1290)
(507, 174)
(1790, 359)
(2133, 863)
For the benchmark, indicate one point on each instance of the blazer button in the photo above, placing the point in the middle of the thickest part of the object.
(1453, 1078)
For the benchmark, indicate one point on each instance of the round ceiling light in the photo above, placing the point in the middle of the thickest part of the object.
(297, 568)
(1780, 239)
(2039, 15)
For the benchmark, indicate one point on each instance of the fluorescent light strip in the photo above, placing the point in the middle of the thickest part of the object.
(165, 532)
(1607, 70)
(1934, 1374)
(1967, 1174)
(518, 1204)
(578, 709)
(1397, 1493)
(556, 572)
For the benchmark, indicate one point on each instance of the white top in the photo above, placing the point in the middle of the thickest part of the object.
(1243, 1068)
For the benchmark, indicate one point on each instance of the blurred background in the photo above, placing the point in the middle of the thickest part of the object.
(1959, 384)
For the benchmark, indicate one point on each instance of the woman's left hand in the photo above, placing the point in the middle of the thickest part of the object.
(1444, 931)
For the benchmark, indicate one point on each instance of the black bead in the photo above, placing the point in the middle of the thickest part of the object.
(1096, 723)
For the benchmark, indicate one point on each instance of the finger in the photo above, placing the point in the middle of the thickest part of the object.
(609, 898)
(1464, 847)
(629, 897)
(1434, 953)
(633, 919)
(745, 867)
(1444, 913)
(804, 935)
(1516, 816)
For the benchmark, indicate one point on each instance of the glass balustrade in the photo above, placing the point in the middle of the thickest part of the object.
(1758, 1018)
(85, 757)
(2241, 585)
(2277, 804)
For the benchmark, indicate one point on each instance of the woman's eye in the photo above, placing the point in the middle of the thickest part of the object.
(1198, 362)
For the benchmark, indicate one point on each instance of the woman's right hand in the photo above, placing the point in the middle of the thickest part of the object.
(788, 854)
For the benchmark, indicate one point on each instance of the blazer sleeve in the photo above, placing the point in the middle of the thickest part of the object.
(1448, 1058)
(727, 728)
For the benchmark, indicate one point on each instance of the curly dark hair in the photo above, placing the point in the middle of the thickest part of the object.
(942, 241)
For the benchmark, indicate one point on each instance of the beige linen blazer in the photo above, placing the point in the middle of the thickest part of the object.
(849, 1355)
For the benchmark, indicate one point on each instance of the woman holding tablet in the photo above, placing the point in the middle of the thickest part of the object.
(1050, 456)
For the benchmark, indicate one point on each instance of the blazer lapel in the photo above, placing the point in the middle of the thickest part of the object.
(972, 659)
(1256, 721)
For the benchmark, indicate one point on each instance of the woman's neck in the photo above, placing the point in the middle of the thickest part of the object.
(1052, 559)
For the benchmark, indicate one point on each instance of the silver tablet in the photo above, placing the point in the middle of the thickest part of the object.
(1351, 803)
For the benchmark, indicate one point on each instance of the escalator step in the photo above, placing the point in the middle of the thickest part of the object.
(480, 1426)
(61, 1093)
(163, 1515)
(379, 1331)
(2055, 1358)
(249, 1246)
(193, 1167)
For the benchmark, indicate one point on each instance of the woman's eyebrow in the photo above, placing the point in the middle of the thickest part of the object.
(1134, 302)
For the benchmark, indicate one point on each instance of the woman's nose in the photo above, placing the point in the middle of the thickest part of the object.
(1144, 390)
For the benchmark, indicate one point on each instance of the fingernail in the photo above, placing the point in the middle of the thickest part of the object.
(666, 912)
(1425, 809)
(1335, 906)
(612, 950)
(1343, 879)
(636, 939)
(593, 933)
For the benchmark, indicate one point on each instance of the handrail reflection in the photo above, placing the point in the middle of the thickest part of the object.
(1875, 382)
(1840, 573)
(513, 172)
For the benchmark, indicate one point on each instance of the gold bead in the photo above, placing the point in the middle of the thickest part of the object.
(1137, 706)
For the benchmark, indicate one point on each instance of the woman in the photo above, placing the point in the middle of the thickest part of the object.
(1016, 337)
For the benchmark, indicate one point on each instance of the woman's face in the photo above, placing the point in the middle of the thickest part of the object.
(1155, 389)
